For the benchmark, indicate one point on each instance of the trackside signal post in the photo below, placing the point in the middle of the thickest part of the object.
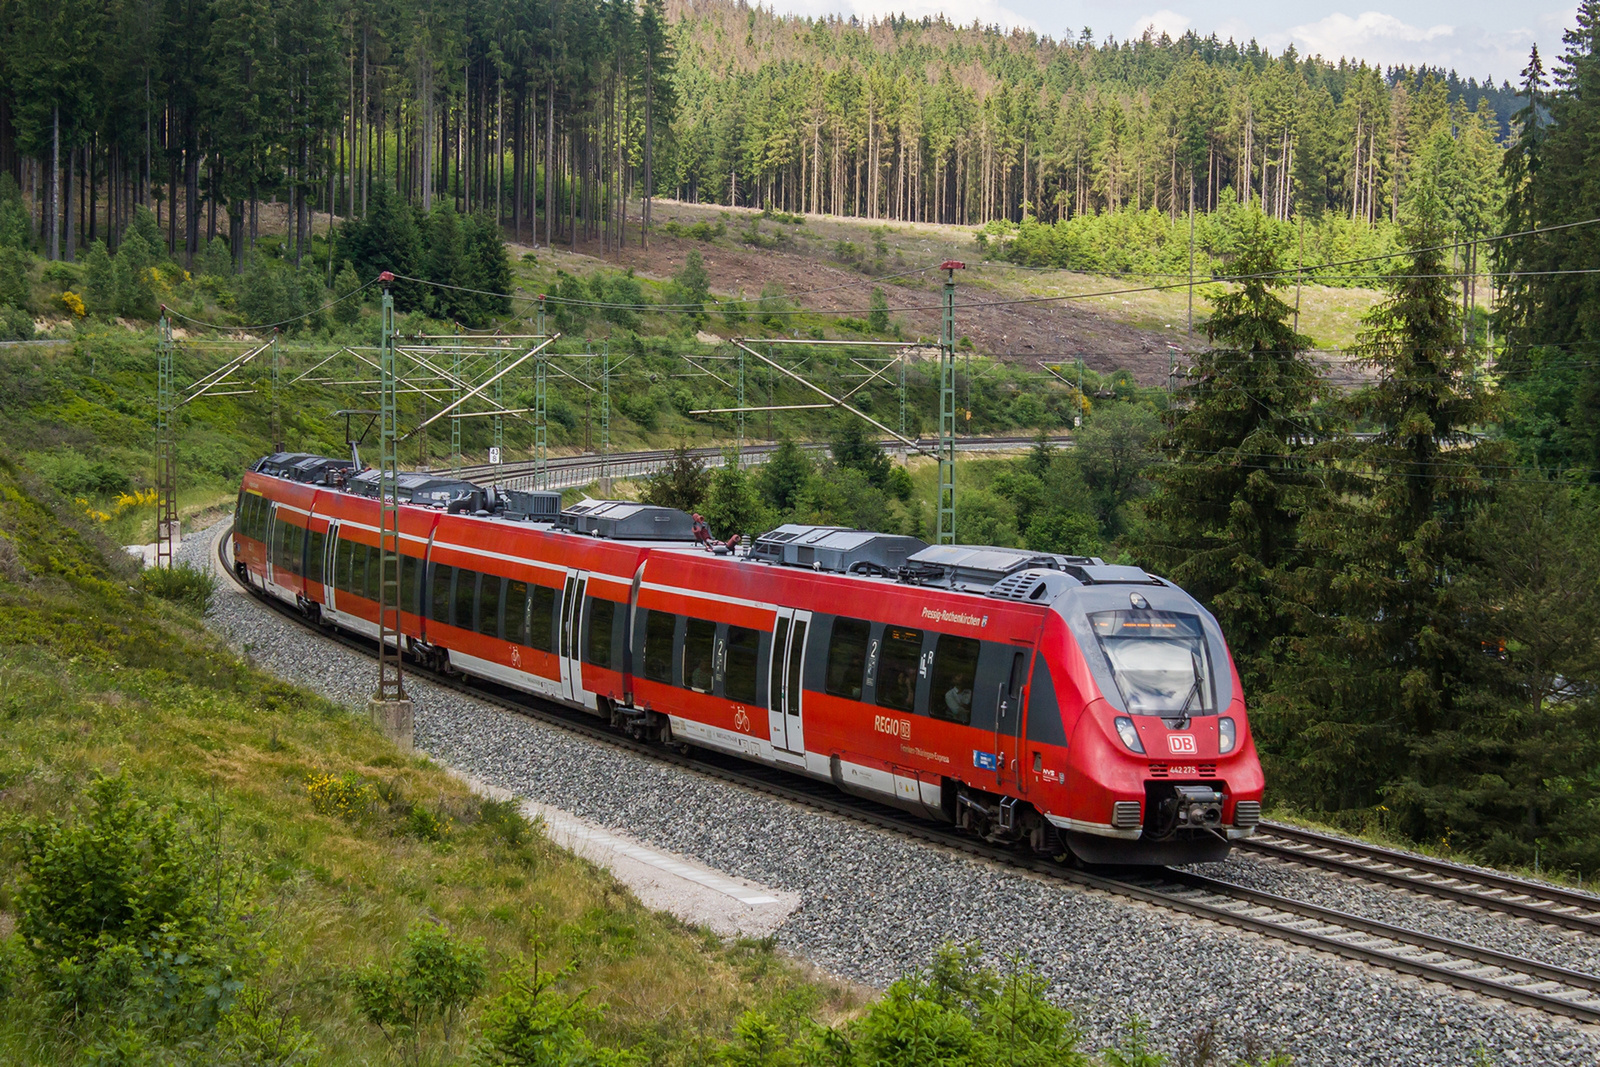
(389, 706)
(947, 406)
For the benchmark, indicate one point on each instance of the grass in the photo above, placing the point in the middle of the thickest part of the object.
(100, 678)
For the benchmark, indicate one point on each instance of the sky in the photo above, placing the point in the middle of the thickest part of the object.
(1477, 38)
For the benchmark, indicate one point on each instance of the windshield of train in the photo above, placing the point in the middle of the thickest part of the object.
(1159, 660)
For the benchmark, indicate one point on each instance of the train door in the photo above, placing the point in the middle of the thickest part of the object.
(1008, 723)
(785, 696)
(572, 595)
(329, 542)
(269, 544)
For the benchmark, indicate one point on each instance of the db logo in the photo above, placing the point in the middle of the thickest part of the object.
(1181, 744)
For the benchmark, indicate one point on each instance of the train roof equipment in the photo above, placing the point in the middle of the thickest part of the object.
(624, 520)
(998, 571)
(836, 549)
(429, 490)
(304, 467)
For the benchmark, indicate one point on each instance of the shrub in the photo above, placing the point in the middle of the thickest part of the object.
(61, 273)
(121, 906)
(15, 324)
(878, 317)
(14, 283)
(186, 586)
(426, 989)
(772, 306)
(214, 260)
(532, 1024)
(347, 796)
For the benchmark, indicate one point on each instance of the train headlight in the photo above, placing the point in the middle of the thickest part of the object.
(1227, 735)
(1129, 735)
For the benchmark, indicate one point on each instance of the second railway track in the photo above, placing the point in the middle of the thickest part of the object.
(1502, 976)
(1491, 890)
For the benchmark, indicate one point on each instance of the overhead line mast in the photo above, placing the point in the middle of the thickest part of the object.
(390, 707)
(946, 534)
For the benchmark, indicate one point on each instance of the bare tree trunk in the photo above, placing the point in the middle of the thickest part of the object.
(53, 209)
(68, 239)
(549, 165)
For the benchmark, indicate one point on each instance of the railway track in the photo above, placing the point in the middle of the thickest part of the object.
(1520, 897)
(566, 471)
(1474, 968)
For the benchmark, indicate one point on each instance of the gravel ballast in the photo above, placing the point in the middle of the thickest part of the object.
(875, 905)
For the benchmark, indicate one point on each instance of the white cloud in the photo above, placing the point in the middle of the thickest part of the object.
(1164, 21)
(1385, 40)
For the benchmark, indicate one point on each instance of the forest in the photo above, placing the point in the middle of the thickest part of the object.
(551, 115)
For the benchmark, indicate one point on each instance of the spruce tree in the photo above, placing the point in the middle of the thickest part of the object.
(1225, 522)
(1553, 301)
(386, 239)
(1390, 665)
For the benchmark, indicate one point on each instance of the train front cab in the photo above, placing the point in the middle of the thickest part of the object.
(1158, 764)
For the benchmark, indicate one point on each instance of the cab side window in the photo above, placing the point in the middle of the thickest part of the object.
(1044, 711)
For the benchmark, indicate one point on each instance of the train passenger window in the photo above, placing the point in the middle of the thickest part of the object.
(342, 555)
(489, 606)
(847, 657)
(439, 601)
(699, 641)
(602, 615)
(1044, 711)
(358, 570)
(896, 685)
(315, 543)
(515, 629)
(374, 572)
(466, 593)
(955, 670)
(541, 619)
(297, 547)
(659, 628)
(409, 566)
(740, 673)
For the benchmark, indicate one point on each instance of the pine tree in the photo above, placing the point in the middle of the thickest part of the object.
(1225, 521)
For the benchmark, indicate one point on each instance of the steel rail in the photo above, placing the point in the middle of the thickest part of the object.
(817, 795)
(526, 467)
(1520, 897)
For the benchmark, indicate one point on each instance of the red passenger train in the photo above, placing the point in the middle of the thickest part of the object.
(1027, 697)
